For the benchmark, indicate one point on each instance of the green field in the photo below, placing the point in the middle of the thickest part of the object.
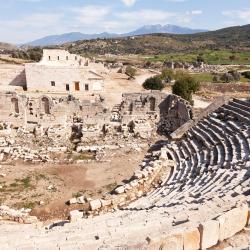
(207, 77)
(226, 57)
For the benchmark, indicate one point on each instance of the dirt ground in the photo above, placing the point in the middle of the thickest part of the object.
(45, 188)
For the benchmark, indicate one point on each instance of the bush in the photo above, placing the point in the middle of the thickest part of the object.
(130, 71)
(231, 76)
(185, 86)
(167, 75)
(153, 83)
(246, 74)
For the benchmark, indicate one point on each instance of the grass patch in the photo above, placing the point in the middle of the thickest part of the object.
(110, 187)
(26, 182)
(29, 205)
(84, 156)
(214, 57)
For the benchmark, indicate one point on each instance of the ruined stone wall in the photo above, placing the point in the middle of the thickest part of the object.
(48, 111)
(149, 113)
(167, 111)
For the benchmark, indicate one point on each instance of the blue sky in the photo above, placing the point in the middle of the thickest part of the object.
(26, 20)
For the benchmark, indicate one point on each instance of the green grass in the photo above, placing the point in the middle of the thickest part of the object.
(203, 77)
(210, 57)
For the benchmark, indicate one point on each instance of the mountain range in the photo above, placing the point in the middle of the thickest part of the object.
(147, 29)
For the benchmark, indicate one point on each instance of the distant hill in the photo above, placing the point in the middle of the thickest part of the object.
(7, 46)
(233, 38)
(170, 29)
(75, 36)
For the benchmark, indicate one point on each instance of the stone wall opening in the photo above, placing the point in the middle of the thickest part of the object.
(152, 103)
(15, 105)
(45, 105)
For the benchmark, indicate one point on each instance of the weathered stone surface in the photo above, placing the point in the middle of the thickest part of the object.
(248, 219)
(95, 204)
(232, 221)
(191, 239)
(81, 200)
(209, 232)
(120, 190)
(72, 201)
(75, 216)
(173, 242)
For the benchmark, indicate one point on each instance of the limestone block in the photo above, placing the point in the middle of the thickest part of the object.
(120, 190)
(30, 220)
(80, 200)
(72, 201)
(209, 232)
(232, 221)
(173, 242)
(106, 202)
(95, 204)
(191, 239)
(75, 215)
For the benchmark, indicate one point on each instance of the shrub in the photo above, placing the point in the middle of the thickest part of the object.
(153, 83)
(130, 71)
(246, 74)
(167, 75)
(231, 76)
(185, 86)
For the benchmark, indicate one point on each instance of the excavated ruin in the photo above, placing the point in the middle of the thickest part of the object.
(190, 191)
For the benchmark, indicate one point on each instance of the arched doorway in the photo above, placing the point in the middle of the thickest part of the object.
(152, 104)
(45, 105)
(15, 105)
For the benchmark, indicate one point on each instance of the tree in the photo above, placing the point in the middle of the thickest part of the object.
(230, 76)
(167, 75)
(200, 58)
(185, 86)
(246, 74)
(130, 71)
(153, 83)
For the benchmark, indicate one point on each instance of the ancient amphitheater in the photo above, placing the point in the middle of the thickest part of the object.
(190, 192)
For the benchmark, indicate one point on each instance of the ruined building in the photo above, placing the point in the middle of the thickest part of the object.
(137, 113)
(60, 71)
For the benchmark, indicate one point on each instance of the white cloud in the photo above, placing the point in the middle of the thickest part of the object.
(196, 12)
(147, 16)
(91, 14)
(129, 2)
(242, 15)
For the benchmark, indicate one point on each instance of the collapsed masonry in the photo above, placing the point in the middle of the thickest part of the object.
(137, 113)
(189, 193)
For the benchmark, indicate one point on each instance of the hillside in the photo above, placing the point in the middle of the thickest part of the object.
(75, 36)
(6, 46)
(234, 38)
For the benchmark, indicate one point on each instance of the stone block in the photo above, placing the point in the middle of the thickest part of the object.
(80, 200)
(232, 221)
(209, 233)
(95, 204)
(72, 201)
(120, 190)
(173, 242)
(75, 216)
(191, 239)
